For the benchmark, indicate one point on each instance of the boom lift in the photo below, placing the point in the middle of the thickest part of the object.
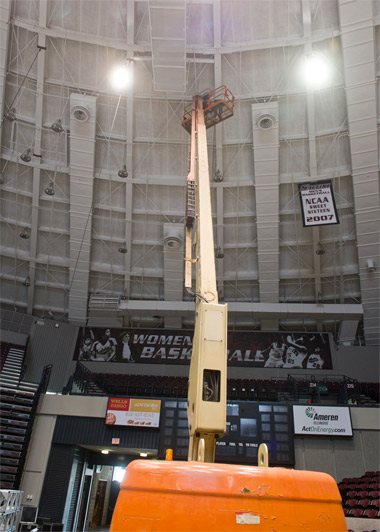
(206, 408)
(198, 495)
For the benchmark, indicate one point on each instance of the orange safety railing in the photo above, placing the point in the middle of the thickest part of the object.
(218, 105)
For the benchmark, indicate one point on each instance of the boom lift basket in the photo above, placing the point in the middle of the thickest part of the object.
(218, 105)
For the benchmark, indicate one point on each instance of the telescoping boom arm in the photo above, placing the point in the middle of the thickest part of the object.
(208, 368)
(177, 496)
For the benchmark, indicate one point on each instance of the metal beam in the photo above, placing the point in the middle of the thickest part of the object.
(219, 152)
(37, 152)
(5, 15)
(257, 310)
(129, 155)
(313, 166)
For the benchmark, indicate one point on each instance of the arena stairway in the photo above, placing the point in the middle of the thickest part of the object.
(18, 403)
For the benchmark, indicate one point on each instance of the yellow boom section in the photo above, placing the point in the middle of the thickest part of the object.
(208, 368)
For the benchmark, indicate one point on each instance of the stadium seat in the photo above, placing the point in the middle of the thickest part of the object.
(361, 494)
(364, 503)
(374, 494)
(375, 503)
(351, 494)
(370, 513)
(355, 512)
(351, 503)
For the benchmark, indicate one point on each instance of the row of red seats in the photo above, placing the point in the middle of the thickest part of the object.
(369, 476)
(368, 513)
(362, 494)
(363, 503)
(363, 486)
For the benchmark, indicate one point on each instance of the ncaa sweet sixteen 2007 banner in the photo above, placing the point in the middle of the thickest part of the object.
(244, 348)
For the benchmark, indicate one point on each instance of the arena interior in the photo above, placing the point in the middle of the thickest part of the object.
(96, 324)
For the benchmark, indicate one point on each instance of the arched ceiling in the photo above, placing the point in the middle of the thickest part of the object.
(57, 54)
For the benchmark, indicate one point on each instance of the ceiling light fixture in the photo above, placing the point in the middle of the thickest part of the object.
(219, 253)
(57, 126)
(49, 190)
(123, 249)
(320, 250)
(104, 451)
(218, 177)
(123, 172)
(25, 156)
(27, 281)
(24, 234)
(143, 455)
(122, 76)
(316, 70)
(11, 115)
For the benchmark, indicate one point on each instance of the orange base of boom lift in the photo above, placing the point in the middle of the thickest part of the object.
(166, 496)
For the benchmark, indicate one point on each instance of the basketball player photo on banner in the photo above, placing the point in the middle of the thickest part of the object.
(318, 204)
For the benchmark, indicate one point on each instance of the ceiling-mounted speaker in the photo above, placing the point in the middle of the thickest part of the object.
(265, 121)
(173, 239)
(80, 112)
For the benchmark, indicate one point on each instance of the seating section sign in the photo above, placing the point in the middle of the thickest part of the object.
(318, 204)
(322, 420)
(133, 412)
(244, 348)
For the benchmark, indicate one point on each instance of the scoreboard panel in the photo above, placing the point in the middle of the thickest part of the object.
(248, 425)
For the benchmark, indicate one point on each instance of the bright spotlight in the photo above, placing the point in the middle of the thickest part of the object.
(316, 71)
(121, 77)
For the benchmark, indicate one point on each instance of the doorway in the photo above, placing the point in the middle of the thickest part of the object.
(100, 497)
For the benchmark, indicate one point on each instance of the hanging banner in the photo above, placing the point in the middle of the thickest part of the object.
(318, 204)
(322, 420)
(174, 346)
(133, 412)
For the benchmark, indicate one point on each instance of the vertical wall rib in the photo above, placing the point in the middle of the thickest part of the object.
(358, 46)
(82, 160)
(266, 166)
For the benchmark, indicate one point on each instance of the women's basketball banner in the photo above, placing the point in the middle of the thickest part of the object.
(318, 204)
(244, 348)
(133, 412)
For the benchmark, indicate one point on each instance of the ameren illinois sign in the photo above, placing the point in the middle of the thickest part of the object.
(318, 204)
(322, 420)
